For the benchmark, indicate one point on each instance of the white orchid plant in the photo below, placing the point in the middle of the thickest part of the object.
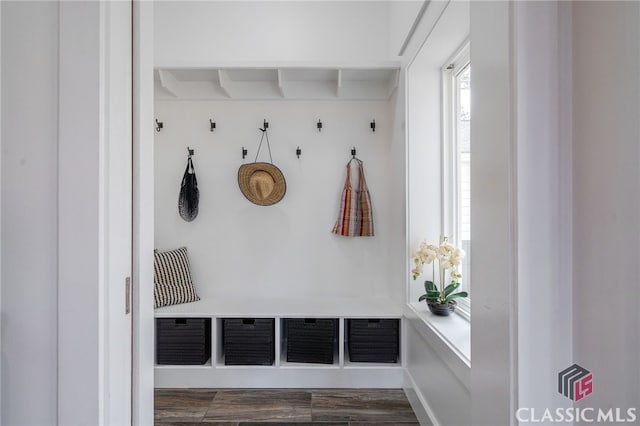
(449, 258)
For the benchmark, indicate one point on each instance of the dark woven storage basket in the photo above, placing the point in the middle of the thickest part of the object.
(373, 340)
(311, 340)
(248, 341)
(183, 341)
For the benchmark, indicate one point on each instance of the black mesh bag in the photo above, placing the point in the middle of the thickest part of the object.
(189, 194)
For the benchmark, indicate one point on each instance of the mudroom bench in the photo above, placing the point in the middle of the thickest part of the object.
(222, 343)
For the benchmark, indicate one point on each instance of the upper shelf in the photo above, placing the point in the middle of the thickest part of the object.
(276, 83)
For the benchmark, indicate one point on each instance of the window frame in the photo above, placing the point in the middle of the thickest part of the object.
(450, 191)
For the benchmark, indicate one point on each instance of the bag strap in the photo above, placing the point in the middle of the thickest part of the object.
(189, 165)
(264, 134)
(360, 171)
(362, 184)
(187, 172)
(347, 183)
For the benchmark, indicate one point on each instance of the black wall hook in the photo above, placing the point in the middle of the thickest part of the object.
(353, 152)
(373, 125)
(212, 125)
(244, 152)
(298, 152)
(319, 125)
(190, 151)
(159, 125)
(265, 125)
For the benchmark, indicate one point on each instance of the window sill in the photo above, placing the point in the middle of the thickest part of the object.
(449, 336)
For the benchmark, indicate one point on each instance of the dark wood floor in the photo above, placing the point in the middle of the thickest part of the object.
(294, 407)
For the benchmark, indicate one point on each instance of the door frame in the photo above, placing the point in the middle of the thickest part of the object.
(143, 236)
(84, 312)
(143, 213)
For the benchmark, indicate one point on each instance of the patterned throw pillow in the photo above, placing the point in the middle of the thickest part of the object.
(172, 278)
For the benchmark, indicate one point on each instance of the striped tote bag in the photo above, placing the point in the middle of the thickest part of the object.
(355, 218)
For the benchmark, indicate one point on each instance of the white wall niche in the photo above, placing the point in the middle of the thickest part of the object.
(239, 250)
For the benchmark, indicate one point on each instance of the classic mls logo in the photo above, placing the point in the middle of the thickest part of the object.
(575, 382)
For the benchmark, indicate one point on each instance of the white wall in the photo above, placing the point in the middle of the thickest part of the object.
(432, 374)
(544, 201)
(80, 281)
(606, 201)
(493, 195)
(29, 212)
(577, 184)
(397, 248)
(241, 250)
(210, 33)
(424, 86)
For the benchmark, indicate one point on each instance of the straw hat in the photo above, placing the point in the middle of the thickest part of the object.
(262, 183)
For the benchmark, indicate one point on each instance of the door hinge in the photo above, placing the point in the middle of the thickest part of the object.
(127, 291)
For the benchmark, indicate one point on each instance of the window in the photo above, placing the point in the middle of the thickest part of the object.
(456, 189)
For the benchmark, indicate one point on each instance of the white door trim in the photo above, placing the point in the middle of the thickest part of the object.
(143, 214)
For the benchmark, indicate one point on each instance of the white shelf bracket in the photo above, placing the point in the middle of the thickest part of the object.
(281, 83)
(224, 82)
(339, 84)
(168, 82)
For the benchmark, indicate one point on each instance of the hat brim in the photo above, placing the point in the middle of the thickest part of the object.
(279, 189)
